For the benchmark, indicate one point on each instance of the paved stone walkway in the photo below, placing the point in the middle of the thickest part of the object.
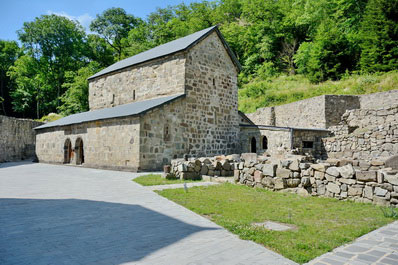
(181, 185)
(377, 247)
(70, 215)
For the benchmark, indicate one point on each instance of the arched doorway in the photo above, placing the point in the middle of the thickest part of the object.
(265, 143)
(79, 150)
(253, 147)
(67, 151)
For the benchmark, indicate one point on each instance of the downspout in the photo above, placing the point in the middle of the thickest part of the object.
(291, 138)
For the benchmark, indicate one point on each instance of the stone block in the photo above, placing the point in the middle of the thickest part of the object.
(392, 179)
(283, 173)
(293, 183)
(366, 176)
(321, 190)
(268, 182)
(279, 183)
(320, 167)
(344, 187)
(348, 181)
(249, 157)
(294, 165)
(332, 187)
(333, 171)
(305, 182)
(333, 162)
(392, 162)
(387, 186)
(319, 175)
(354, 191)
(241, 165)
(380, 201)
(347, 171)
(330, 178)
(258, 176)
(190, 176)
(380, 192)
(343, 194)
(204, 170)
(368, 192)
(269, 169)
(182, 168)
(236, 175)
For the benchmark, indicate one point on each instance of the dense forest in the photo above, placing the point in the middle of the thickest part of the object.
(305, 42)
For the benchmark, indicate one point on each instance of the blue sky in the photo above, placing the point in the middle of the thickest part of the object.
(15, 12)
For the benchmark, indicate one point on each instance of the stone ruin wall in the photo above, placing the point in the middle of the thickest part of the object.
(162, 77)
(376, 182)
(365, 134)
(17, 138)
(317, 112)
(211, 105)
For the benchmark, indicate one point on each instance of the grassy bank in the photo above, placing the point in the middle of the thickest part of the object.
(286, 89)
(322, 223)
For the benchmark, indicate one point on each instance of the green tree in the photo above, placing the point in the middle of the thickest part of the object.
(113, 25)
(75, 99)
(379, 34)
(55, 45)
(9, 52)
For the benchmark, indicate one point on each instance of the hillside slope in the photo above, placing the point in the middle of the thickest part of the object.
(286, 89)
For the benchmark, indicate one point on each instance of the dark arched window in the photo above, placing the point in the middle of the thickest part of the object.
(265, 143)
(253, 144)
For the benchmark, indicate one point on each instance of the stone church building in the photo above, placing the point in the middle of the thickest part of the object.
(177, 98)
(182, 98)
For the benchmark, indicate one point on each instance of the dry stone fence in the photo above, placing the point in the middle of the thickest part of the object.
(374, 182)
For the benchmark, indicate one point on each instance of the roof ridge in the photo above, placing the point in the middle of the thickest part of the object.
(166, 49)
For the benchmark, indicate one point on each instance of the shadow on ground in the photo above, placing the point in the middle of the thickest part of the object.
(15, 164)
(82, 232)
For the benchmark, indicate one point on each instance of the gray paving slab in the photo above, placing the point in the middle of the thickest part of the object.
(71, 215)
(377, 247)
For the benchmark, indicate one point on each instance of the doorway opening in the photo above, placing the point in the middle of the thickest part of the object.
(79, 149)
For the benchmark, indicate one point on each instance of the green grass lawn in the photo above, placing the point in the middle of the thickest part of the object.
(323, 223)
(156, 179)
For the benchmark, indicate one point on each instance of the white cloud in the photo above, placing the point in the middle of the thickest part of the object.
(84, 19)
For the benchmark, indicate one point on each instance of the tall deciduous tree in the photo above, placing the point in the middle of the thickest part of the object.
(9, 52)
(55, 45)
(114, 25)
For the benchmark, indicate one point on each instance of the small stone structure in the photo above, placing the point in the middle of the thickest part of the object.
(337, 178)
(17, 138)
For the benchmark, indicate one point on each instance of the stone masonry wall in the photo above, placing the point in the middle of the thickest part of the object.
(17, 138)
(263, 116)
(163, 135)
(112, 143)
(162, 77)
(365, 134)
(379, 100)
(340, 179)
(211, 113)
(279, 141)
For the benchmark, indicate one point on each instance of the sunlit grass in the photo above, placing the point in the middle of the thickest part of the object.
(323, 223)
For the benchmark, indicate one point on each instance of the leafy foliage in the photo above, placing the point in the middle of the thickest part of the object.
(273, 39)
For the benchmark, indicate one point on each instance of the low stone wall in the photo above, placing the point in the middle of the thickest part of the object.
(341, 179)
(365, 134)
(17, 138)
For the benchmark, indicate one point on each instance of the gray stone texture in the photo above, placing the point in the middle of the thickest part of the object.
(17, 138)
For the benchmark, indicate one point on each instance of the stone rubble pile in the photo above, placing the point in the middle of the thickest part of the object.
(361, 181)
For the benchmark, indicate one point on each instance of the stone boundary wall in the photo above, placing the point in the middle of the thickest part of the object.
(341, 179)
(379, 100)
(365, 134)
(17, 138)
(317, 112)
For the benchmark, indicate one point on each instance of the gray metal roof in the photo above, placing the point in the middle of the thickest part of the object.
(166, 49)
(130, 109)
